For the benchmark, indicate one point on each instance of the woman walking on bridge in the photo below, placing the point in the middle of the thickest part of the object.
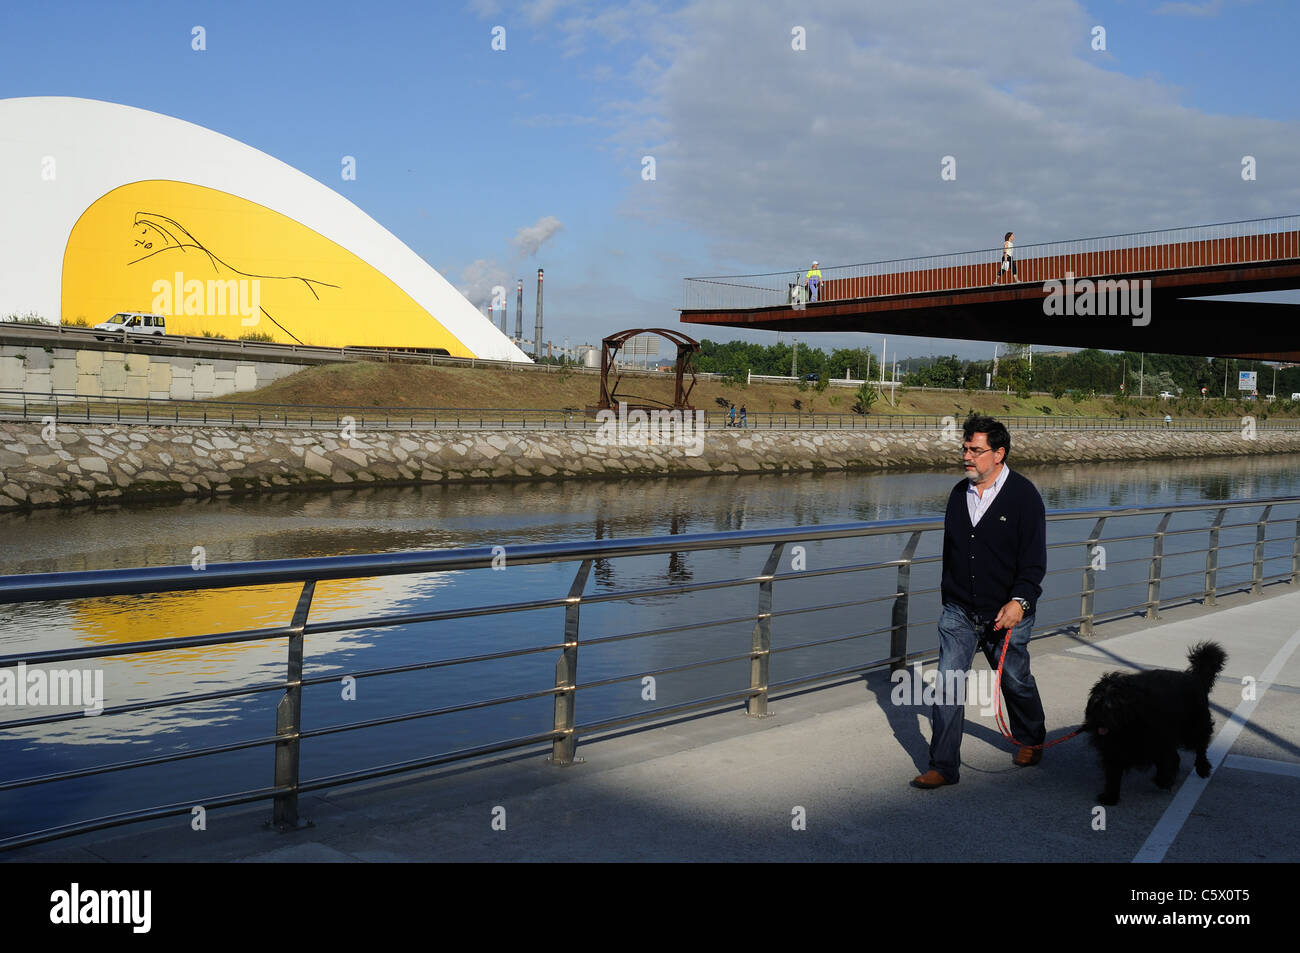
(1008, 257)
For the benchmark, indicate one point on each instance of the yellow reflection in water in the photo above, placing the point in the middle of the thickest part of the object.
(116, 620)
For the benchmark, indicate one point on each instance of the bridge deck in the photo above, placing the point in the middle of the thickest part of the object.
(723, 786)
(964, 296)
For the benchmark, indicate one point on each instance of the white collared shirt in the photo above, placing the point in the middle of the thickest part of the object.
(977, 503)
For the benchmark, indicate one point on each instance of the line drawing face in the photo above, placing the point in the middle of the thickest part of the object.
(156, 234)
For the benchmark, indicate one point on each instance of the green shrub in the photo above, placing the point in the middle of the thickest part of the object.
(865, 397)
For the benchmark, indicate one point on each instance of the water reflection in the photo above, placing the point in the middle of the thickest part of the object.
(389, 519)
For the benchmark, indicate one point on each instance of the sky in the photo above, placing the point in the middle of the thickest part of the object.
(494, 138)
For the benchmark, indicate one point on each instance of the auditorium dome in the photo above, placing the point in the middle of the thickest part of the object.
(113, 208)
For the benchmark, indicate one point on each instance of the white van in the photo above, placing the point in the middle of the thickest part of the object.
(133, 323)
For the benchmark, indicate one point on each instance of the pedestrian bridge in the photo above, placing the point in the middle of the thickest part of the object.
(1089, 292)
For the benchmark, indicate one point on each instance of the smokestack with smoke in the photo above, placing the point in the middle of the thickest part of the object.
(478, 278)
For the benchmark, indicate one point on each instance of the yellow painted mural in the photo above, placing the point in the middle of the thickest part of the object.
(214, 262)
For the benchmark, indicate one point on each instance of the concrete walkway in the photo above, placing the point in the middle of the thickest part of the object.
(732, 788)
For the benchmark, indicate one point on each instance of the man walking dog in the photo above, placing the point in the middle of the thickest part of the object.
(994, 560)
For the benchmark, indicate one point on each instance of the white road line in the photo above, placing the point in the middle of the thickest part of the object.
(1176, 814)
(1264, 765)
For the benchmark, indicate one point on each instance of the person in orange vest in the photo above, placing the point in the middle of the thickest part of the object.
(814, 280)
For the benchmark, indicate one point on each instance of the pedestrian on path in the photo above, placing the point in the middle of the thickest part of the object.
(814, 279)
(994, 561)
(1008, 258)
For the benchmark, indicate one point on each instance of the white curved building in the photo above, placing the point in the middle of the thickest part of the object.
(111, 208)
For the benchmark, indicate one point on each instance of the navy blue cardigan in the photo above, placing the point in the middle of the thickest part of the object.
(1003, 556)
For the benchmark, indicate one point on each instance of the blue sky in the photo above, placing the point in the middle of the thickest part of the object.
(765, 157)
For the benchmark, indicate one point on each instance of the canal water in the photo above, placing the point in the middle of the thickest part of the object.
(375, 520)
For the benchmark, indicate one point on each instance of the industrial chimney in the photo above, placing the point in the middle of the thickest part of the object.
(519, 313)
(537, 336)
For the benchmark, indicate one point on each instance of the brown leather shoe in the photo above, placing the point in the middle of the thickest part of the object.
(931, 779)
(1026, 757)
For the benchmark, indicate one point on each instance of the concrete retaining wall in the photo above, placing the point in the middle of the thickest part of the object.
(98, 373)
(70, 464)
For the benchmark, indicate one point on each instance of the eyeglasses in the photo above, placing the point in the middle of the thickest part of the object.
(975, 451)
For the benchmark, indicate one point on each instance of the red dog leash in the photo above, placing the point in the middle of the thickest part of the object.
(1001, 721)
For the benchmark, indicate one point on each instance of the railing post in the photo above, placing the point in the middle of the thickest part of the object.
(898, 634)
(288, 721)
(1153, 575)
(1212, 560)
(1257, 566)
(761, 649)
(566, 673)
(1090, 580)
(1295, 554)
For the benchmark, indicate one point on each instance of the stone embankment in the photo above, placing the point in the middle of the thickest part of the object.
(70, 464)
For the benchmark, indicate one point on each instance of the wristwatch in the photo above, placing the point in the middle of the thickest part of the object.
(1024, 603)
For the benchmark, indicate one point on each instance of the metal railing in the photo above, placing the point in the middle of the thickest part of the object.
(1132, 253)
(251, 348)
(888, 598)
(224, 349)
(220, 413)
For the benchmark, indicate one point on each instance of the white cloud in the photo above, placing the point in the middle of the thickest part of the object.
(529, 239)
(835, 152)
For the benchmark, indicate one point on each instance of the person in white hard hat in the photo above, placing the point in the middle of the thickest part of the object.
(814, 280)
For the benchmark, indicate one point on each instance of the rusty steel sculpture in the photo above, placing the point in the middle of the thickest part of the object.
(687, 348)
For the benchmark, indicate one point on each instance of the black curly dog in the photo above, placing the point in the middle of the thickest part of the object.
(1143, 719)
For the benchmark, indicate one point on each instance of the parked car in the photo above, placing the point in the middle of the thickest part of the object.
(133, 324)
(813, 378)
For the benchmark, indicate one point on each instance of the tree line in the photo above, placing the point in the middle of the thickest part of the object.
(1090, 371)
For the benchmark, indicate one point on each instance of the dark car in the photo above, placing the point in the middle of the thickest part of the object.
(814, 378)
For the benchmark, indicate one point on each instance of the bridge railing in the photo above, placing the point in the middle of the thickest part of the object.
(1104, 563)
(1118, 256)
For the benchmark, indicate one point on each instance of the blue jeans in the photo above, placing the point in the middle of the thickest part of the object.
(959, 633)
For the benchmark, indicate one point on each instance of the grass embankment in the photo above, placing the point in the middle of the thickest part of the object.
(370, 384)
